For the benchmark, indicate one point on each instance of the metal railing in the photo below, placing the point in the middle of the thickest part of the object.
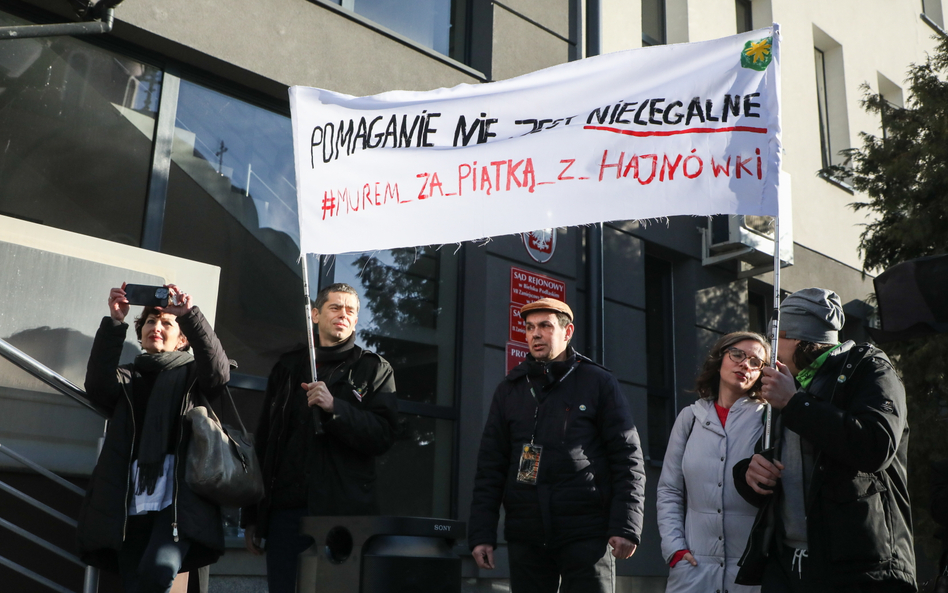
(66, 387)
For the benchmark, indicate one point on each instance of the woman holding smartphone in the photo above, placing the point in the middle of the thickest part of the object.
(703, 521)
(139, 518)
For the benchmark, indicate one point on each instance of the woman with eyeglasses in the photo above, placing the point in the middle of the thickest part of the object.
(703, 521)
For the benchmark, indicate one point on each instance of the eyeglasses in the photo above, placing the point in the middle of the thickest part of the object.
(739, 356)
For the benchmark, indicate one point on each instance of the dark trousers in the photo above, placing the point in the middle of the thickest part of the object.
(789, 571)
(284, 546)
(150, 558)
(585, 566)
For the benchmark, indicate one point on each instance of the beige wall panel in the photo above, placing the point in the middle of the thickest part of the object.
(621, 25)
(877, 36)
(552, 14)
(293, 42)
(520, 47)
(711, 19)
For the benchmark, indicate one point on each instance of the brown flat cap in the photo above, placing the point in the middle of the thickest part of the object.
(546, 304)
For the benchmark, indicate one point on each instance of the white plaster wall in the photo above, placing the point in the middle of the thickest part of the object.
(876, 37)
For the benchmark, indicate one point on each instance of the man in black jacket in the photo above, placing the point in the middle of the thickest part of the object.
(317, 440)
(835, 506)
(562, 454)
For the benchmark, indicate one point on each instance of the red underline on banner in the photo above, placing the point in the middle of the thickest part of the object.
(676, 132)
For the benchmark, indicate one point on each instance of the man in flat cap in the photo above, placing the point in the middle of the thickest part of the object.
(562, 454)
(833, 495)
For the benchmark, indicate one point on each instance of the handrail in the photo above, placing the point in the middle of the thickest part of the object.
(38, 505)
(41, 470)
(47, 376)
(68, 388)
(42, 543)
(35, 576)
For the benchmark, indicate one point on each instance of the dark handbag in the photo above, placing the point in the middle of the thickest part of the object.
(221, 463)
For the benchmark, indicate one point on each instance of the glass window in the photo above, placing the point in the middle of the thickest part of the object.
(77, 124)
(745, 21)
(407, 316)
(757, 313)
(653, 22)
(232, 203)
(659, 354)
(437, 24)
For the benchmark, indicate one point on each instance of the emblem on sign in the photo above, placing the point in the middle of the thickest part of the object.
(757, 55)
(540, 244)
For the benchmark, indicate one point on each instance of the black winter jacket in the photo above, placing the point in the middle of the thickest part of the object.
(859, 520)
(339, 468)
(591, 482)
(103, 515)
(939, 506)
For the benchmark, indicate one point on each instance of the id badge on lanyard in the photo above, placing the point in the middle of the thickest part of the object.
(529, 452)
(529, 463)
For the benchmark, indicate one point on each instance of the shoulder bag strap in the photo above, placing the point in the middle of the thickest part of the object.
(233, 406)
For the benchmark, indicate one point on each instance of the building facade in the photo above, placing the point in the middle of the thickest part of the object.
(162, 152)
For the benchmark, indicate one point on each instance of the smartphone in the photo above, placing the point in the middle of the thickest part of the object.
(148, 296)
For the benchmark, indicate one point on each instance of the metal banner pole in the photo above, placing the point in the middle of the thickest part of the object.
(309, 320)
(774, 328)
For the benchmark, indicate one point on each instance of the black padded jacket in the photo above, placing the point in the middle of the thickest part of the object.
(338, 471)
(104, 511)
(859, 520)
(591, 481)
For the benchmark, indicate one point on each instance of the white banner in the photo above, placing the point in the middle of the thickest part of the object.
(659, 131)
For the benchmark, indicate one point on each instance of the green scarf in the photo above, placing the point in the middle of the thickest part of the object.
(805, 377)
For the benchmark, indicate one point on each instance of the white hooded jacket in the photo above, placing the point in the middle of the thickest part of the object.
(698, 507)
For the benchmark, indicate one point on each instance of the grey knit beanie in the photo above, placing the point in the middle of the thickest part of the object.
(812, 315)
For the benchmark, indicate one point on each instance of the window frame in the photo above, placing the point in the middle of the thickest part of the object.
(660, 389)
(822, 101)
(748, 24)
(648, 40)
(478, 36)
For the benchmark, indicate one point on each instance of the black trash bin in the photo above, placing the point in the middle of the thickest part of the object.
(380, 555)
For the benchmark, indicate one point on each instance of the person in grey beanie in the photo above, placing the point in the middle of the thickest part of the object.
(834, 512)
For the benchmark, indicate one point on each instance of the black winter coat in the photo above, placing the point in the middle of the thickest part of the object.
(339, 467)
(103, 514)
(859, 520)
(591, 481)
(939, 506)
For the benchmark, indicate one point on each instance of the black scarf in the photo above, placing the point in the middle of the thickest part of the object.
(335, 353)
(329, 359)
(163, 403)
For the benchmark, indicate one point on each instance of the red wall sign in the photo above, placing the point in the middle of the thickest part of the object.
(516, 353)
(526, 287)
(517, 331)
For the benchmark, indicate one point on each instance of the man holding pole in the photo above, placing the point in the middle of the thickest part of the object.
(835, 513)
(562, 454)
(317, 439)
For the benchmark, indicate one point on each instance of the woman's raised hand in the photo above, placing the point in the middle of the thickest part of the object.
(118, 304)
(184, 300)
